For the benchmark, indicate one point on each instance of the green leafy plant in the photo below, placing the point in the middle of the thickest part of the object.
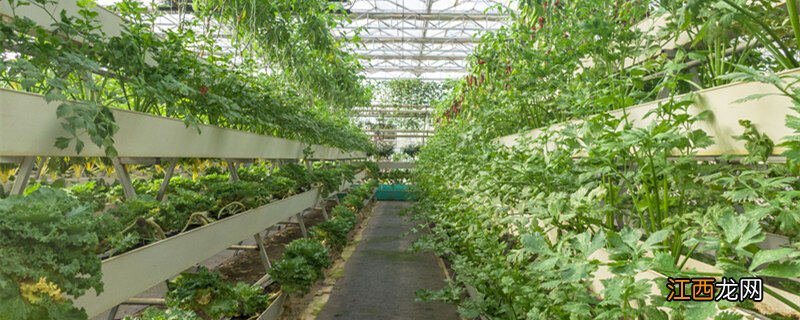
(153, 313)
(48, 248)
(302, 264)
(295, 275)
(333, 232)
(89, 73)
(206, 294)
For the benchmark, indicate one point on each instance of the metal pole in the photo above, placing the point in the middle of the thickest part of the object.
(302, 225)
(113, 313)
(317, 202)
(232, 169)
(23, 174)
(310, 166)
(164, 184)
(262, 251)
(124, 178)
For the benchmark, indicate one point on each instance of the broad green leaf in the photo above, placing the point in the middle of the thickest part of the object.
(789, 269)
(769, 256)
(656, 238)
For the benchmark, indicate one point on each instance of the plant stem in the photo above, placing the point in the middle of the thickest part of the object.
(781, 298)
(765, 28)
(791, 7)
(688, 254)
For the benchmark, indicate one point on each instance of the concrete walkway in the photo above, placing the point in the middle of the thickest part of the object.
(381, 276)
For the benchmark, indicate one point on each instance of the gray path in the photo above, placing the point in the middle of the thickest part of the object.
(381, 276)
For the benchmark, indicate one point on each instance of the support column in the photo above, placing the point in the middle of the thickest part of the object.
(302, 225)
(310, 166)
(167, 177)
(317, 202)
(113, 313)
(124, 178)
(262, 252)
(23, 175)
(232, 170)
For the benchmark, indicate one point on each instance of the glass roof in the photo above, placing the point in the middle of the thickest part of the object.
(425, 39)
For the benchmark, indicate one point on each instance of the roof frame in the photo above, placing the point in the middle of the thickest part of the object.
(423, 39)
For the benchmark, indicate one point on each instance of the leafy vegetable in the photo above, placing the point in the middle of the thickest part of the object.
(47, 243)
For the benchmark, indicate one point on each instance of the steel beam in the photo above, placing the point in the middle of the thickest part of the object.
(421, 78)
(416, 40)
(422, 111)
(414, 69)
(399, 105)
(403, 136)
(412, 57)
(434, 16)
(397, 131)
(389, 115)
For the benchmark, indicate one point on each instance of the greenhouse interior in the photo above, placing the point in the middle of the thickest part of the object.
(399, 159)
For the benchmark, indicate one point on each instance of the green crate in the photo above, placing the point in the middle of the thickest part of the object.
(393, 192)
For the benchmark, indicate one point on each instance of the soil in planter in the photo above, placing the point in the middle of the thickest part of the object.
(247, 266)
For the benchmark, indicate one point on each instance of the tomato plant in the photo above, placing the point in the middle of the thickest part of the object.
(88, 73)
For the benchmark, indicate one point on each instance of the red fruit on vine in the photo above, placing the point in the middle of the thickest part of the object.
(541, 22)
(203, 90)
(481, 61)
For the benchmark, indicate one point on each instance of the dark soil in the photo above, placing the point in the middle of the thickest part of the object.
(246, 266)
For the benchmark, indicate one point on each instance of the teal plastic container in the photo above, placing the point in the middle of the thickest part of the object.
(393, 192)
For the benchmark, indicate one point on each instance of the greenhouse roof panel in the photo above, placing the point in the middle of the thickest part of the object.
(424, 39)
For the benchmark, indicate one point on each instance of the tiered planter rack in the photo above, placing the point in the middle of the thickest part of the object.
(396, 165)
(767, 114)
(29, 126)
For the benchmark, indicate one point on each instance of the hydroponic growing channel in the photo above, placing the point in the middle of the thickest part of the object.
(441, 159)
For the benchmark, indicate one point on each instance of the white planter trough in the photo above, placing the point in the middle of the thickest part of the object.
(275, 309)
(29, 127)
(767, 114)
(395, 165)
(133, 272)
